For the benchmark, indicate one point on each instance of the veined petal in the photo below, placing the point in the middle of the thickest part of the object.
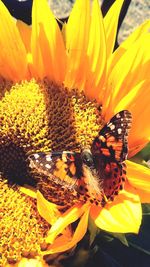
(86, 49)
(96, 52)
(63, 243)
(140, 130)
(13, 61)
(144, 197)
(110, 24)
(63, 221)
(123, 215)
(47, 43)
(25, 33)
(139, 177)
(135, 64)
(133, 37)
(29, 191)
(77, 35)
(142, 29)
(47, 209)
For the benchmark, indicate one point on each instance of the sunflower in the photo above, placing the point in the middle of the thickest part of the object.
(58, 89)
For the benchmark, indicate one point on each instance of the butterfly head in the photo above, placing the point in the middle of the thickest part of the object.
(87, 158)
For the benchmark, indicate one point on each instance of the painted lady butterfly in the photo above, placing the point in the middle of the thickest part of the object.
(95, 174)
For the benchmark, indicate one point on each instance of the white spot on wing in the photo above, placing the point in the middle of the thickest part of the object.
(48, 157)
(119, 130)
(48, 166)
(36, 156)
(111, 126)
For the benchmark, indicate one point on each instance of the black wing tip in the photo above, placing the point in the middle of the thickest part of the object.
(125, 112)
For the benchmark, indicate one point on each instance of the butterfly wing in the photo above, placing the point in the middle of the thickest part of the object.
(63, 178)
(110, 149)
(59, 176)
(112, 141)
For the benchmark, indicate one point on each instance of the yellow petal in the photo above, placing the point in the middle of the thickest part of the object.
(142, 29)
(25, 33)
(13, 61)
(64, 220)
(47, 209)
(118, 53)
(47, 43)
(86, 48)
(24, 262)
(29, 191)
(96, 55)
(63, 243)
(123, 215)
(110, 24)
(140, 130)
(139, 177)
(131, 69)
(77, 35)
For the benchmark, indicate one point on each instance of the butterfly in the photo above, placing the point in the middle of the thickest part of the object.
(94, 174)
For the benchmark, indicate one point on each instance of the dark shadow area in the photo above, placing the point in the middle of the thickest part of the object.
(20, 9)
(14, 165)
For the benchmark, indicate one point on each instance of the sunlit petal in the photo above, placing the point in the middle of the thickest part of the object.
(118, 53)
(47, 209)
(111, 23)
(29, 191)
(13, 59)
(140, 132)
(25, 33)
(139, 178)
(77, 35)
(48, 56)
(96, 55)
(67, 218)
(123, 215)
(63, 243)
(137, 64)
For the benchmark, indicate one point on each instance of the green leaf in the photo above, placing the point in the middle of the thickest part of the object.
(93, 230)
(143, 157)
(146, 209)
(121, 237)
(109, 237)
(145, 152)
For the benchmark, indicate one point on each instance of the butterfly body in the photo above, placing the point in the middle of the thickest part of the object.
(95, 174)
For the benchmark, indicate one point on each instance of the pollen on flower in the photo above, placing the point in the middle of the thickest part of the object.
(39, 116)
(22, 228)
(36, 116)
